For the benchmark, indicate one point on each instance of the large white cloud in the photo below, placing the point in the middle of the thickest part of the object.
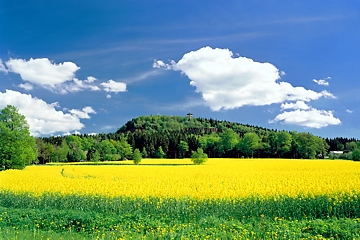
(227, 82)
(312, 118)
(42, 71)
(42, 117)
(58, 78)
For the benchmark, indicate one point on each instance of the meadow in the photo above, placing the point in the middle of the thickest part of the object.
(174, 199)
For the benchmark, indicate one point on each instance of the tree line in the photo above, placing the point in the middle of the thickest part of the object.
(162, 137)
(176, 137)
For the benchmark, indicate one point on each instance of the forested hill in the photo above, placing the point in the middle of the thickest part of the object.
(188, 125)
(222, 138)
(176, 137)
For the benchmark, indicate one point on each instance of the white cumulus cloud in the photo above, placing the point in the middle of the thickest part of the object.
(78, 85)
(227, 82)
(42, 117)
(312, 118)
(58, 78)
(26, 86)
(296, 105)
(90, 79)
(42, 71)
(112, 86)
(84, 113)
(161, 64)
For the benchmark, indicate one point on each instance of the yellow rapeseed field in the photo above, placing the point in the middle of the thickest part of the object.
(218, 178)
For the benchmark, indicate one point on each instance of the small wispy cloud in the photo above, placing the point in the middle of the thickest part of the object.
(26, 86)
(2, 67)
(300, 20)
(323, 82)
(143, 76)
(349, 111)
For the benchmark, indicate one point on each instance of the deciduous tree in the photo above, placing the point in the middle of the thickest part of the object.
(17, 147)
(283, 143)
(183, 148)
(249, 143)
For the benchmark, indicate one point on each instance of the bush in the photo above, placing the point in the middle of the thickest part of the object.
(137, 156)
(356, 155)
(160, 153)
(199, 157)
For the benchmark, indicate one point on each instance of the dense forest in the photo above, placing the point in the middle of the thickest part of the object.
(176, 137)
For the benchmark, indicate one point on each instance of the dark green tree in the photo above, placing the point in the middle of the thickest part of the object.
(123, 148)
(76, 152)
(93, 154)
(61, 153)
(144, 153)
(307, 145)
(17, 147)
(45, 151)
(283, 143)
(183, 148)
(356, 155)
(351, 146)
(228, 142)
(87, 143)
(249, 143)
(209, 144)
(160, 153)
(108, 151)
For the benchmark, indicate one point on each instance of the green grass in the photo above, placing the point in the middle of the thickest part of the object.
(74, 217)
(11, 233)
(137, 227)
(308, 207)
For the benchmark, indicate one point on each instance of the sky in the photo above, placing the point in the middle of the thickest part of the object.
(74, 66)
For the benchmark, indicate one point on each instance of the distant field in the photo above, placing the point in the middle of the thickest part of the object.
(157, 197)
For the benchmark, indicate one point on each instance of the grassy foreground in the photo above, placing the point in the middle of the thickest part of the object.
(30, 212)
(123, 218)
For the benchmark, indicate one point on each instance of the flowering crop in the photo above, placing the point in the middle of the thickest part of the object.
(218, 179)
(174, 199)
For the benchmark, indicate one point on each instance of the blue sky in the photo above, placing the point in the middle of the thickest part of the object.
(90, 66)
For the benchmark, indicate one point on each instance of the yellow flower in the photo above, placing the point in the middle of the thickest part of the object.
(218, 179)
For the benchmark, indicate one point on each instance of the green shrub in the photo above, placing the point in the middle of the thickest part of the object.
(356, 155)
(199, 157)
(137, 156)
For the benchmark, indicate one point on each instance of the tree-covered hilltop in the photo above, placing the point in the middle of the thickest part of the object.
(218, 138)
(187, 125)
(177, 137)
